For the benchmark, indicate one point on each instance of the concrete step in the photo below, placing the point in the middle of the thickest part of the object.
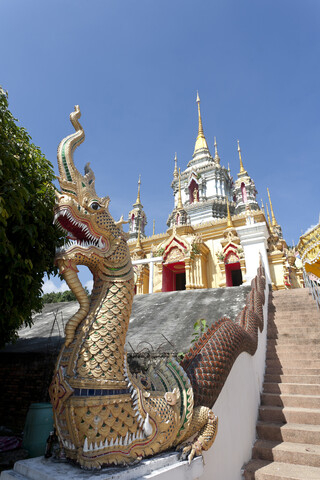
(297, 347)
(264, 470)
(301, 332)
(278, 378)
(287, 452)
(305, 401)
(159, 467)
(292, 362)
(292, 301)
(12, 475)
(292, 388)
(289, 432)
(292, 371)
(290, 354)
(296, 308)
(297, 298)
(313, 335)
(271, 413)
(295, 311)
(298, 325)
(291, 341)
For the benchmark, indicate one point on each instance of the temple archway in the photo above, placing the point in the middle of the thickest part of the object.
(233, 270)
(174, 277)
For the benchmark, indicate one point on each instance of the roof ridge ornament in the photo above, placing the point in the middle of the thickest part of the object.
(138, 201)
(179, 206)
(175, 171)
(269, 221)
(216, 155)
(274, 221)
(229, 221)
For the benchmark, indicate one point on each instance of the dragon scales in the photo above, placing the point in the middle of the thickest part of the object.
(103, 414)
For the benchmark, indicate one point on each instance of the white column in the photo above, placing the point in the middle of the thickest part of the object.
(151, 267)
(253, 240)
(151, 261)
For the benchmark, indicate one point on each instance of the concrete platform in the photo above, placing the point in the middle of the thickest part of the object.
(161, 467)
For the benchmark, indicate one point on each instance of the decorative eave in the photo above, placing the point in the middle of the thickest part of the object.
(309, 249)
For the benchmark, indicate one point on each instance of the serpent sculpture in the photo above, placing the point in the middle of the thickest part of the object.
(103, 414)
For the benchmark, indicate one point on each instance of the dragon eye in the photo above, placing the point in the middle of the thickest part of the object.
(95, 205)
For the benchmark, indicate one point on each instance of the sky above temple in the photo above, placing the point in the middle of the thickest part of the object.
(134, 67)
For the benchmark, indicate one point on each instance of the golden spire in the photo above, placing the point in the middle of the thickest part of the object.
(229, 221)
(274, 221)
(138, 201)
(154, 222)
(262, 206)
(242, 170)
(229, 171)
(270, 226)
(201, 142)
(179, 206)
(175, 171)
(216, 155)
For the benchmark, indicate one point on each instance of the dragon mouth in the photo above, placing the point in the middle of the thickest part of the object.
(77, 231)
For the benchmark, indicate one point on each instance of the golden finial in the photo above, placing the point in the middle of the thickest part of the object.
(154, 222)
(270, 226)
(179, 206)
(201, 142)
(138, 196)
(229, 171)
(242, 170)
(262, 206)
(175, 171)
(138, 244)
(274, 221)
(216, 155)
(229, 221)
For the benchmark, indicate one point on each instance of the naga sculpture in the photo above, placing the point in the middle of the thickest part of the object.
(103, 414)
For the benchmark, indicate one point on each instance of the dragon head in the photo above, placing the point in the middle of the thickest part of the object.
(92, 235)
(93, 238)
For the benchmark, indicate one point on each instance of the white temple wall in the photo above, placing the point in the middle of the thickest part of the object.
(211, 187)
(253, 240)
(237, 408)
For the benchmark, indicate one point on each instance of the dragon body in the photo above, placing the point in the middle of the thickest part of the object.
(103, 414)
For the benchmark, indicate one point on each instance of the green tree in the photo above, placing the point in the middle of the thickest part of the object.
(66, 296)
(27, 235)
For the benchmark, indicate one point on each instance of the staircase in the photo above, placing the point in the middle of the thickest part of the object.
(288, 428)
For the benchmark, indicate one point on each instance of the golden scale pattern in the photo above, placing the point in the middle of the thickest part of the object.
(101, 422)
(102, 353)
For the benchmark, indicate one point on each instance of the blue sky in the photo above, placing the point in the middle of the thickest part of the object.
(134, 67)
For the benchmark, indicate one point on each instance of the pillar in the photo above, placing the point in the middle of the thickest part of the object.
(253, 239)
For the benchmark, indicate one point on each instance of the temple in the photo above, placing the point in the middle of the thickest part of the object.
(216, 230)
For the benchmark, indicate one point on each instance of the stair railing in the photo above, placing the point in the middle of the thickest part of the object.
(313, 284)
